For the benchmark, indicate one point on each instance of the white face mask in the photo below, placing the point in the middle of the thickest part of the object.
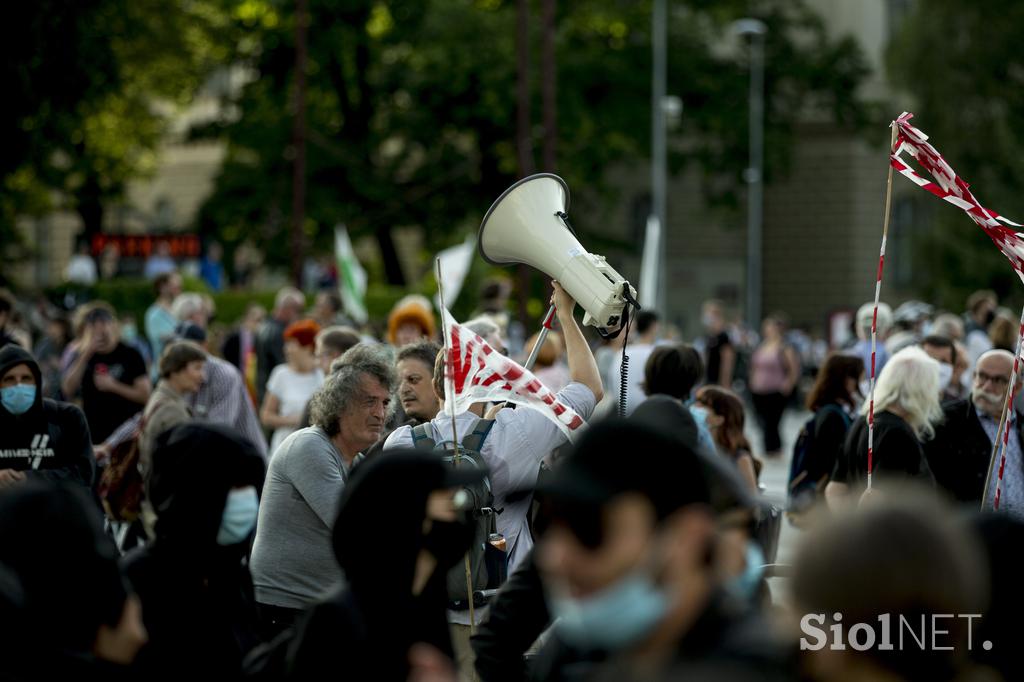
(865, 388)
(945, 375)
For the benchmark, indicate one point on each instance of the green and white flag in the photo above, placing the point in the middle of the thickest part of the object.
(351, 276)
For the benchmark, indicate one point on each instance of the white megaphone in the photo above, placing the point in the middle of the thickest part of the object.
(528, 224)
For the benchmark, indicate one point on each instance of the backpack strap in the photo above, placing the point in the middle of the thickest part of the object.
(831, 407)
(475, 440)
(421, 439)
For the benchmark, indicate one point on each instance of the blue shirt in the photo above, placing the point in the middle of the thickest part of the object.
(1011, 496)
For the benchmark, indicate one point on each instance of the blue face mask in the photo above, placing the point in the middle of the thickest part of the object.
(745, 584)
(614, 618)
(240, 511)
(18, 399)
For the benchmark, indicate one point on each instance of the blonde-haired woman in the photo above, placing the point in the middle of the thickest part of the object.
(906, 411)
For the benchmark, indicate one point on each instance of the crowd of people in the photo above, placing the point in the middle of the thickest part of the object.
(296, 501)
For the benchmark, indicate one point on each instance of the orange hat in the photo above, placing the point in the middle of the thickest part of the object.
(413, 308)
(303, 331)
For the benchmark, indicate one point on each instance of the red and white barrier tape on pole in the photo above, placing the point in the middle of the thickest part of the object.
(954, 190)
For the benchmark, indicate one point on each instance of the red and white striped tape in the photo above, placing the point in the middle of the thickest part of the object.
(949, 187)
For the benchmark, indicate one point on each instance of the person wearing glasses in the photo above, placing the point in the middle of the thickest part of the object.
(960, 452)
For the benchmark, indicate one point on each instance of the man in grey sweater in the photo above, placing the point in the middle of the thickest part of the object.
(292, 563)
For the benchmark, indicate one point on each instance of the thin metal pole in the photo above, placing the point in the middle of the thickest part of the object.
(754, 180)
(659, 44)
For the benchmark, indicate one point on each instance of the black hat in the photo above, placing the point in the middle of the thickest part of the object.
(619, 456)
(668, 415)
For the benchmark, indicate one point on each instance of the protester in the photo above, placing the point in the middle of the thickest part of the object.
(395, 559)
(836, 395)
(415, 367)
(160, 322)
(720, 354)
(222, 397)
(981, 312)
(513, 449)
(725, 419)
(211, 269)
(961, 451)
(65, 610)
(292, 565)
(48, 353)
(629, 564)
(328, 310)
(332, 343)
(39, 438)
(774, 372)
(943, 351)
(195, 588)
(81, 268)
(111, 376)
(411, 320)
(673, 370)
(489, 330)
(160, 262)
(288, 306)
(864, 320)
(909, 319)
(948, 325)
(181, 374)
(905, 558)
(550, 368)
(291, 385)
(646, 328)
(7, 309)
(906, 410)
(1002, 538)
(1003, 331)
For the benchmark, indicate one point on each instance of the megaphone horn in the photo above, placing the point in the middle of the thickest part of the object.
(528, 224)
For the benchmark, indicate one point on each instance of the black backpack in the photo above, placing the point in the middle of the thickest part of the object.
(803, 490)
(488, 564)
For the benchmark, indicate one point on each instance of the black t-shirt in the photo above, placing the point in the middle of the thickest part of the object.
(830, 427)
(715, 344)
(897, 453)
(106, 411)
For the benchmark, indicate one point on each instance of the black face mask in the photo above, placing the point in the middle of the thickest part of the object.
(448, 541)
(990, 316)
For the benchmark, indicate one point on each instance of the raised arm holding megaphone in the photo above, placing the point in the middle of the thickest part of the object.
(529, 224)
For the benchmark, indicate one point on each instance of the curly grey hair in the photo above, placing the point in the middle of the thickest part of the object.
(344, 384)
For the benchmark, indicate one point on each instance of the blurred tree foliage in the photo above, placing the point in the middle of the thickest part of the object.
(91, 87)
(960, 63)
(411, 108)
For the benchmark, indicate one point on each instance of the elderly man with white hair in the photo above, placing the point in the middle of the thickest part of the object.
(960, 453)
(906, 411)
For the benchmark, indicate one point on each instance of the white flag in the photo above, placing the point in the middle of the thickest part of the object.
(650, 264)
(351, 276)
(455, 262)
(476, 373)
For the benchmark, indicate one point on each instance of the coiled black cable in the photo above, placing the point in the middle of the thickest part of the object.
(623, 381)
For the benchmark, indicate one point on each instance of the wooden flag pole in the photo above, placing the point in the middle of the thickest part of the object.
(450, 408)
(874, 317)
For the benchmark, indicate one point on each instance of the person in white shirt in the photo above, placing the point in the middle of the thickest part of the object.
(514, 448)
(292, 384)
(646, 327)
(81, 268)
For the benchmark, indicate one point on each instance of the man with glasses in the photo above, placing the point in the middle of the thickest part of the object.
(960, 452)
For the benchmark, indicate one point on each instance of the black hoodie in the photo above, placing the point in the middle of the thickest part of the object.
(197, 598)
(365, 631)
(51, 441)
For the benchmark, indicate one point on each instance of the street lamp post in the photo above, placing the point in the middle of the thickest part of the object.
(754, 30)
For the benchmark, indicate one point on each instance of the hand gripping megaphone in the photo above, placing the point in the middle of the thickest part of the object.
(528, 224)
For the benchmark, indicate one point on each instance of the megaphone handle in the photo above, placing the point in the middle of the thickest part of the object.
(549, 321)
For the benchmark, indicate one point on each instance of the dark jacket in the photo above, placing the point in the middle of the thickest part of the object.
(51, 441)
(728, 641)
(898, 454)
(959, 454)
(269, 344)
(365, 630)
(197, 596)
(59, 583)
(517, 616)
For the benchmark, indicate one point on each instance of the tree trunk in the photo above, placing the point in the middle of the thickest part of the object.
(524, 142)
(549, 80)
(299, 144)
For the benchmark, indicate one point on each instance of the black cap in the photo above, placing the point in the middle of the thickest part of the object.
(668, 415)
(618, 456)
